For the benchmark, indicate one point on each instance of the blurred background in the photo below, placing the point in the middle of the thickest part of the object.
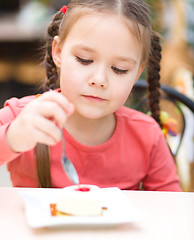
(23, 25)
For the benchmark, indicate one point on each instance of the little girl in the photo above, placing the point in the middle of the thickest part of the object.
(95, 52)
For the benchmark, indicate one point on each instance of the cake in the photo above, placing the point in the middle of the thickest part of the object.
(79, 200)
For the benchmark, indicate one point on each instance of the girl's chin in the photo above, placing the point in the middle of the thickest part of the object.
(91, 113)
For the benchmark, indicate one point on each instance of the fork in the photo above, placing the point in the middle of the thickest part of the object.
(68, 165)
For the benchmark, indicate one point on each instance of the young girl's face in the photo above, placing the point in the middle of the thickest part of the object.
(99, 63)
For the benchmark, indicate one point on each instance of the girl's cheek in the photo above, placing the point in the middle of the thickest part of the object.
(72, 79)
(70, 73)
(123, 92)
(69, 83)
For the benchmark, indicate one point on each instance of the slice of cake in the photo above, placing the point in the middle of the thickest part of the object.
(80, 200)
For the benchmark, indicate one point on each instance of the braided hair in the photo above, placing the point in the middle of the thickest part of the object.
(153, 78)
(42, 150)
(51, 69)
(138, 14)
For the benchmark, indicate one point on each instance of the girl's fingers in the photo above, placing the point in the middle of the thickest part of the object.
(22, 137)
(44, 138)
(48, 129)
(59, 99)
(51, 110)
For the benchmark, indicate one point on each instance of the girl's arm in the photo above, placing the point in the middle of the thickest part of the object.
(7, 115)
(39, 121)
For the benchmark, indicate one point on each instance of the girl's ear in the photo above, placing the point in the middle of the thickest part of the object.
(56, 51)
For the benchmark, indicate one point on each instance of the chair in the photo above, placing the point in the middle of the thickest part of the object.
(177, 105)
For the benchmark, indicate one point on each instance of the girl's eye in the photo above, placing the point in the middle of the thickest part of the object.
(83, 60)
(119, 71)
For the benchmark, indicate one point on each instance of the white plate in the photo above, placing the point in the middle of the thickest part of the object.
(37, 209)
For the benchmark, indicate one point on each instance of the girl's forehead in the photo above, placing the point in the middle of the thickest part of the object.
(97, 17)
(102, 23)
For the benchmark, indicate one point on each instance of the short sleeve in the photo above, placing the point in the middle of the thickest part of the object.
(162, 172)
(10, 111)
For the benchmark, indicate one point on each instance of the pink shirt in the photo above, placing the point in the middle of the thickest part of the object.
(137, 152)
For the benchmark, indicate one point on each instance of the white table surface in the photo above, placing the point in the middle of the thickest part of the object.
(167, 216)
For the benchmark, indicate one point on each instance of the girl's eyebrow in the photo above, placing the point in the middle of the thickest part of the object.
(83, 47)
(127, 59)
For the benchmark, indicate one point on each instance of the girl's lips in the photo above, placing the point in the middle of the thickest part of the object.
(93, 98)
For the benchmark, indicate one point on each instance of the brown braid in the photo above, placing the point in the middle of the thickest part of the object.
(154, 77)
(43, 166)
(42, 151)
(51, 69)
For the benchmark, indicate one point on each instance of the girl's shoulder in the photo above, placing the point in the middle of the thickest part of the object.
(138, 124)
(14, 106)
(17, 104)
(135, 116)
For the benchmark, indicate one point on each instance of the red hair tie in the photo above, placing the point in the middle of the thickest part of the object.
(64, 9)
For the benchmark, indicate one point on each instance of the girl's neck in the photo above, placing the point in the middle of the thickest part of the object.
(91, 132)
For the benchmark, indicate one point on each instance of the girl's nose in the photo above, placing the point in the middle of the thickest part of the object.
(98, 78)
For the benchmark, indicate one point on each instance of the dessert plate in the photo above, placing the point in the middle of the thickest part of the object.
(37, 209)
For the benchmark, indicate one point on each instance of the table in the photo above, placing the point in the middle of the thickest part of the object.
(167, 216)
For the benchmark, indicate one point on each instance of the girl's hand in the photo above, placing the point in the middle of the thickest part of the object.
(40, 121)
